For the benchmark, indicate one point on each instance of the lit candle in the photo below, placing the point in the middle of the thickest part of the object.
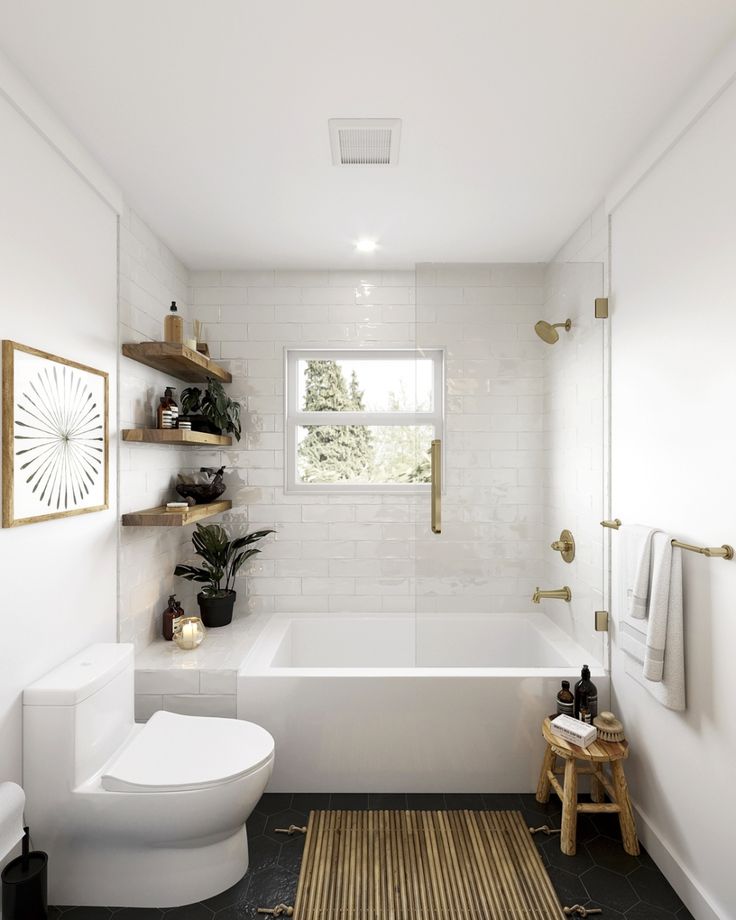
(188, 635)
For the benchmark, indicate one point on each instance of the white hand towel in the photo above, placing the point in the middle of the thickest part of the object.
(659, 606)
(638, 598)
(663, 627)
(635, 548)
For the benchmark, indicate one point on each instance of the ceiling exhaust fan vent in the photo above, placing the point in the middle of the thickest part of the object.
(365, 141)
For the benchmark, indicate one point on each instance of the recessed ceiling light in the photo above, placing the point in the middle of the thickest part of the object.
(365, 245)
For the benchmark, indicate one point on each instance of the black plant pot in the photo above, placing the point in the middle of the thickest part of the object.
(202, 423)
(216, 611)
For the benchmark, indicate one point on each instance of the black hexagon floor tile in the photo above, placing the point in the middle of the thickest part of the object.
(87, 913)
(576, 864)
(347, 801)
(600, 874)
(138, 913)
(190, 912)
(609, 888)
(263, 852)
(643, 911)
(653, 887)
(387, 800)
(310, 801)
(284, 820)
(463, 800)
(231, 895)
(268, 888)
(272, 802)
(501, 801)
(607, 914)
(256, 824)
(570, 890)
(610, 857)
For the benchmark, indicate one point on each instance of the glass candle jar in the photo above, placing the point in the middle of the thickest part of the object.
(189, 632)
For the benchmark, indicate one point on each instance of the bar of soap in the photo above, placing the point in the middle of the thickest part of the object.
(176, 506)
(574, 731)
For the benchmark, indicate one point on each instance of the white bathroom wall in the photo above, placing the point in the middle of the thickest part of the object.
(490, 555)
(58, 292)
(673, 248)
(573, 444)
(151, 277)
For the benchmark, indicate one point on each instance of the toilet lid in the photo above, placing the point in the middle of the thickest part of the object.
(174, 753)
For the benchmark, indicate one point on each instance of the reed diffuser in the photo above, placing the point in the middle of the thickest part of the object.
(198, 335)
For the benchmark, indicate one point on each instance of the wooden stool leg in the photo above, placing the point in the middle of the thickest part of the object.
(626, 814)
(569, 809)
(596, 787)
(543, 786)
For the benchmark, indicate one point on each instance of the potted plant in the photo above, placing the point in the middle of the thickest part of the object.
(212, 410)
(223, 559)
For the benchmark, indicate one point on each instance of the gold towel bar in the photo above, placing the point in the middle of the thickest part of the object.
(719, 552)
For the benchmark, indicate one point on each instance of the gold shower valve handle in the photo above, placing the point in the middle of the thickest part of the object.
(565, 546)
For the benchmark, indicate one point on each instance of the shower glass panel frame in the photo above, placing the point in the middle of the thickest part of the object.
(523, 447)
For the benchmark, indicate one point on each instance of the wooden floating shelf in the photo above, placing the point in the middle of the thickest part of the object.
(175, 436)
(171, 517)
(180, 361)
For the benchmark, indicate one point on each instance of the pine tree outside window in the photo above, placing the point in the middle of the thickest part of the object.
(362, 420)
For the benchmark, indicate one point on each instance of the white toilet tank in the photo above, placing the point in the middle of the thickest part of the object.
(79, 714)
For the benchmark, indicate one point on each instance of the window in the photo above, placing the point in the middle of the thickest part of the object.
(361, 420)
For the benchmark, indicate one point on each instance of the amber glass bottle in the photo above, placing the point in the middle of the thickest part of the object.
(565, 700)
(586, 686)
(173, 325)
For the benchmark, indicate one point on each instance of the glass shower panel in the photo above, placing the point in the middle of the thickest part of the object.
(522, 459)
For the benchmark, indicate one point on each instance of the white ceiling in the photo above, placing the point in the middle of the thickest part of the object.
(212, 115)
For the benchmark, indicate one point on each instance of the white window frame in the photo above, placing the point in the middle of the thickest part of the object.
(295, 419)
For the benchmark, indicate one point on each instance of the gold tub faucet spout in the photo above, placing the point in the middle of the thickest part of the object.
(562, 594)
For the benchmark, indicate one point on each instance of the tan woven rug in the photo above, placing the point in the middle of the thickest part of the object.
(428, 865)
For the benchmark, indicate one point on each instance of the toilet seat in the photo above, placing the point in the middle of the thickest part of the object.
(174, 753)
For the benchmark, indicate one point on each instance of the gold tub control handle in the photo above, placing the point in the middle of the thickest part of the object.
(565, 546)
(436, 463)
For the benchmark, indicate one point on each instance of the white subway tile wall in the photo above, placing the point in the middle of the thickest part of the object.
(150, 277)
(332, 553)
(490, 555)
(515, 462)
(373, 552)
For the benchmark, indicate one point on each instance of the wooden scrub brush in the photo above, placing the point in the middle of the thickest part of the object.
(609, 727)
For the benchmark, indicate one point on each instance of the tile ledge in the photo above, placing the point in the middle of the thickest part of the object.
(223, 649)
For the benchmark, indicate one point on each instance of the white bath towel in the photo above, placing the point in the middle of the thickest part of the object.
(654, 651)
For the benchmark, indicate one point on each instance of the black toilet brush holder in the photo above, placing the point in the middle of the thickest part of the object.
(24, 885)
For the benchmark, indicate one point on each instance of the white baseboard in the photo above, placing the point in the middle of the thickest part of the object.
(671, 866)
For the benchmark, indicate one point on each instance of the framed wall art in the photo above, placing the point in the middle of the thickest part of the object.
(55, 436)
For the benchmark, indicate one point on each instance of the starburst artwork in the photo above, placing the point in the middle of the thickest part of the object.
(54, 436)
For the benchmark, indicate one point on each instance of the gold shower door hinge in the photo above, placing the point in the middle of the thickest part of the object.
(601, 621)
(601, 308)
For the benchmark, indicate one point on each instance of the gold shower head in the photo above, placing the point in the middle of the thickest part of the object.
(548, 333)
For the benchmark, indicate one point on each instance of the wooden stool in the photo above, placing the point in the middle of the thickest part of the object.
(594, 757)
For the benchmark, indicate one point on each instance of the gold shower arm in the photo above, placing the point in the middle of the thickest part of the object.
(713, 552)
(436, 463)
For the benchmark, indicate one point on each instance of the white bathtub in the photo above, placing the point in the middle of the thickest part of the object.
(394, 704)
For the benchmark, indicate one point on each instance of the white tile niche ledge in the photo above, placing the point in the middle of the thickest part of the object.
(201, 681)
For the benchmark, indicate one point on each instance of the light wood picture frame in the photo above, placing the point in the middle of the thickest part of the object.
(55, 436)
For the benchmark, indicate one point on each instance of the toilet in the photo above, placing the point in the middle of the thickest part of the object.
(135, 815)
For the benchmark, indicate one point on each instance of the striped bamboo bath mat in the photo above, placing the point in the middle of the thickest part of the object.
(422, 865)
